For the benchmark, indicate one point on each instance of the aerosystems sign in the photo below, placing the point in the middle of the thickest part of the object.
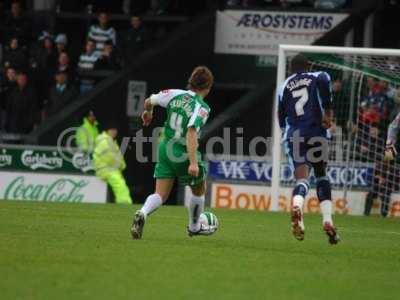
(52, 188)
(261, 32)
(256, 171)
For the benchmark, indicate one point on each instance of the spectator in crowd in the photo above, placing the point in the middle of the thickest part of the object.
(109, 60)
(61, 43)
(86, 63)
(135, 39)
(61, 94)
(385, 181)
(15, 55)
(371, 117)
(45, 61)
(7, 84)
(45, 55)
(64, 65)
(2, 12)
(387, 90)
(22, 107)
(17, 25)
(109, 163)
(87, 133)
(102, 32)
(372, 86)
(2, 19)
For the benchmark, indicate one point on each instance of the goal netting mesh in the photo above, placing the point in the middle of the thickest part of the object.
(366, 98)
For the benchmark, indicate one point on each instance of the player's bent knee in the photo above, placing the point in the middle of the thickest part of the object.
(324, 191)
(302, 188)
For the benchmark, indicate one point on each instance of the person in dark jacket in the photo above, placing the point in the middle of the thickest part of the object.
(15, 55)
(61, 94)
(109, 60)
(45, 60)
(7, 84)
(135, 39)
(17, 25)
(22, 107)
(64, 65)
(61, 41)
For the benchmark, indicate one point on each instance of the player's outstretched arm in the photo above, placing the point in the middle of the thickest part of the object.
(147, 115)
(192, 145)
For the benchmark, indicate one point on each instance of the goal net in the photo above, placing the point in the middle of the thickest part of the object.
(365, 86)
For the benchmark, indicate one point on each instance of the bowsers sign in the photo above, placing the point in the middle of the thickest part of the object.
(51, 188)
(357, 177)
(256, 197)
(261, 32)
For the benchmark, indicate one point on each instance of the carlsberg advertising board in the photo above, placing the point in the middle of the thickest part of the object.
(261, 32)
(52, 188)
(46, 160)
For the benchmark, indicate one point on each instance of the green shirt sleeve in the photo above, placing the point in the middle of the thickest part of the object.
(199, 117)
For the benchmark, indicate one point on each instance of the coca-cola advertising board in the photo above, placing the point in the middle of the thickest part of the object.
(52, 187)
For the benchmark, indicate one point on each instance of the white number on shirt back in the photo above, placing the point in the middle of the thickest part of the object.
(302, 95)
(175, 123)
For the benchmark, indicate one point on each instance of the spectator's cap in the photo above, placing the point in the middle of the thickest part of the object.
(45, 35)
(61, 38)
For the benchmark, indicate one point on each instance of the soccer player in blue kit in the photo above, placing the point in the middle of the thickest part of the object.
(305, 116)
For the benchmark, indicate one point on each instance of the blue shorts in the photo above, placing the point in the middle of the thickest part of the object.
(311, 151)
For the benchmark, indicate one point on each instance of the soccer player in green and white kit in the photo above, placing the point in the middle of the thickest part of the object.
(177, 152)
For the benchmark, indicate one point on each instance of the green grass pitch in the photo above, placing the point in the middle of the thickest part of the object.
(78, 251)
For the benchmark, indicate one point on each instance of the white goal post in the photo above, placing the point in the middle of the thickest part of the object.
(355, 63)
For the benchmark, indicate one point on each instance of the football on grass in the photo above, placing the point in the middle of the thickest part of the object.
(210, 221)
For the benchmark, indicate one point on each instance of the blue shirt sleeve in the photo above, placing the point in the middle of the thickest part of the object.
(281, 109)
(325, 90)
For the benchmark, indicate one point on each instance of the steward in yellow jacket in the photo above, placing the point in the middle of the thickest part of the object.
(109, 163)
(87, 133)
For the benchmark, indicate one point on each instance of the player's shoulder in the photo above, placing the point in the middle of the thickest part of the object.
(173, 92)
(165, 96)
(203, 104)
(321, 75)
(284, 85)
